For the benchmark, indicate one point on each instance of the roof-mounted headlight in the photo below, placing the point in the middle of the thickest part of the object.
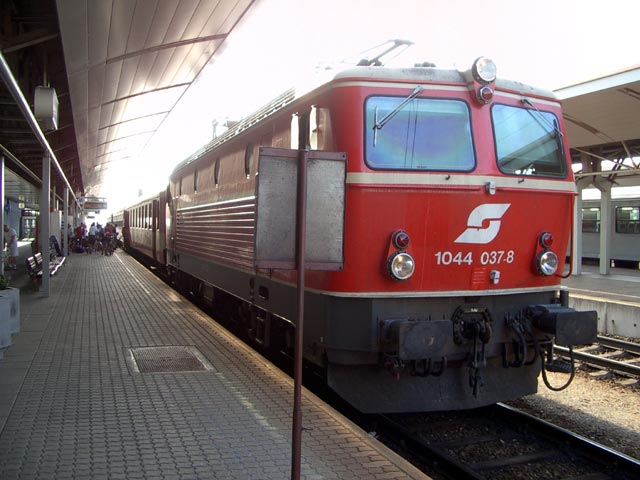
(484, 70)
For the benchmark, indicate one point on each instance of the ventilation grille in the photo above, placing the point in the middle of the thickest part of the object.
(166, 359)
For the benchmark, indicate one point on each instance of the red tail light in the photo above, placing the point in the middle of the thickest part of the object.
(400, 239)
(485, 94)
(546, 239)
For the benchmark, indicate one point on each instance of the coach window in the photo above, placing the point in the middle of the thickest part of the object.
(421, 134)
(591, 220)
(627, 219)
(248, 157)
(216, 172)
(195, 180)
(180, 186)
(528, 142)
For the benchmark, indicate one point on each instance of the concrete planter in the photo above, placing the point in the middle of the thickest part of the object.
(12, 296)
(5, 329)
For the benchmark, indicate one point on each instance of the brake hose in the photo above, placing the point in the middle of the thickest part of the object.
(573, 373)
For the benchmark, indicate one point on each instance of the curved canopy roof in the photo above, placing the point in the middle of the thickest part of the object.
(120, 67)
(602, 118)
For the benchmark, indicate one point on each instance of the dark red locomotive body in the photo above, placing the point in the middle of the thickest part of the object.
(458, 195)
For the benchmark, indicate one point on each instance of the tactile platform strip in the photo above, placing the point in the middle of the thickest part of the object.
(165, 359)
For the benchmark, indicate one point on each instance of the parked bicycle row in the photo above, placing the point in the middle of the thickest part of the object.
(97, 238)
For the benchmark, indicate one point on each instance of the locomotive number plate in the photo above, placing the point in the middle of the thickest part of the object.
(490, 257)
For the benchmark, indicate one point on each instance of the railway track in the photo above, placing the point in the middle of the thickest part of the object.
(610, 354)
(491, 443)
(499, 442)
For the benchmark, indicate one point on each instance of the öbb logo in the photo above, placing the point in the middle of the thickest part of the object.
(475, 233)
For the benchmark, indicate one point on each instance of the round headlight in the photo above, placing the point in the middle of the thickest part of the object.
(484, 70)
(547, 263)
(401, 266)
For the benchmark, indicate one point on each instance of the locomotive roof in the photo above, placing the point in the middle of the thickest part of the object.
(365, 73)
(435, 75)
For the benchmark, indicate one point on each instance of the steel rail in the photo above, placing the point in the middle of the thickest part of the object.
(568, 444)
(611, 342)
(447, 462)
(599, 361)
(594, 450)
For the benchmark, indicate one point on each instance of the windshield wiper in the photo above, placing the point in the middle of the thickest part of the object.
(377, 125)
(555, 127)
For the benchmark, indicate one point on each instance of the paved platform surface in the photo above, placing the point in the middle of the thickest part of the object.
(622, 284)
(73, 406)
(614, 297)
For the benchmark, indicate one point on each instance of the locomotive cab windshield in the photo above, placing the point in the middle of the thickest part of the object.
(418, 134)
(527, 142)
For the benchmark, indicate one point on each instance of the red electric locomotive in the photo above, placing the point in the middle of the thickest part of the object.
(458, 210)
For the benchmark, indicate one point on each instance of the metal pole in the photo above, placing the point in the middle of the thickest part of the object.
(2, 209)
(45, 198)
(606, 225)
(20, 166)
(65, 233)
(576, 246)
(301, 228)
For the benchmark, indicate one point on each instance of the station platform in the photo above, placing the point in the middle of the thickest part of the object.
(616, 298)
(116, 376)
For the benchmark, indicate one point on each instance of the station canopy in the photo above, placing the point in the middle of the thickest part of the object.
(603, 124)
(120, 67)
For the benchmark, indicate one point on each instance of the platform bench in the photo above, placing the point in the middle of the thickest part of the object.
(34, 269)
(34, 266)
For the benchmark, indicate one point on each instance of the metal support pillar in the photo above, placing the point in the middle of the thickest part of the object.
(65, 231)
(576, 246)
(44, 223)
(2, 206)
(606, 224)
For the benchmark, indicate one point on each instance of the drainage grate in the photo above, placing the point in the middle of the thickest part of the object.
(172, 358)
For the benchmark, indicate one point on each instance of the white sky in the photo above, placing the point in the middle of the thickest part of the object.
(547, 43)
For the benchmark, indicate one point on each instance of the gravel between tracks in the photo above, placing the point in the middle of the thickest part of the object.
(601, 410)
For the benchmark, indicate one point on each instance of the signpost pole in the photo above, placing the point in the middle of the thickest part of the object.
(286, 178)
(301, 228)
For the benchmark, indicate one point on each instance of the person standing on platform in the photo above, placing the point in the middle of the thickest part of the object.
(11, 243)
